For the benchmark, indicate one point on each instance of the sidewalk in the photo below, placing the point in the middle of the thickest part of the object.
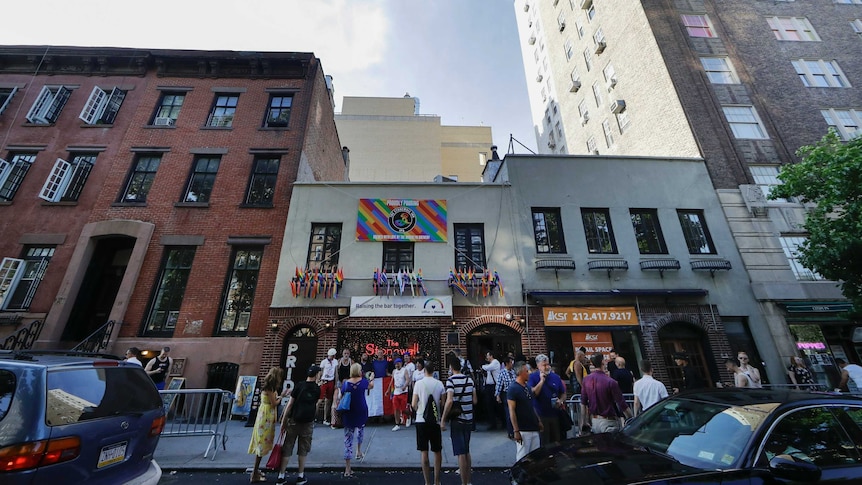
(383, 448)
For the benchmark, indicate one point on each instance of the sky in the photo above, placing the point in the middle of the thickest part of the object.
(459, 57)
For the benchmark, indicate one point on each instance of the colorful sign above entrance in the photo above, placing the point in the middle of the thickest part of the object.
(401, 220)
(401, 306)
(590, 316)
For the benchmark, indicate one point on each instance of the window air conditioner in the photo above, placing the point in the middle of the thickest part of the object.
(532, 40)
(575, 86)
(526, 7)
(584, 118)
(612, 82)
(562, 26)
(600, 47)
(585, 4)
(618, 106)
(539, 78)
(163, 121)
(596, 151)
(552, 144)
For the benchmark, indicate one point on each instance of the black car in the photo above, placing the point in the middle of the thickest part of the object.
(68, 417)
(728, 436)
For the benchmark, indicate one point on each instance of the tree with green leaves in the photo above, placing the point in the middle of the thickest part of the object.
(829, 175)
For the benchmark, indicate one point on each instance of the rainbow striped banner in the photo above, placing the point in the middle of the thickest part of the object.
(401, 220)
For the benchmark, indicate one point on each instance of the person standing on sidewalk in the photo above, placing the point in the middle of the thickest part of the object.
(398, 391)
(505, 379)
(158, 367)
(647, 390)
(550, 395)
(603, 398)
(526, 425)
(132, 356)
(492, 375)
(328, 370)
(354, 419)
(263, 434)
(344, 364)
(426, 391)
(460, 389)
(297, 423)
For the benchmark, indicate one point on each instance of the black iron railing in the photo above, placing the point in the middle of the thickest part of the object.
(24, 338)
(97, 341)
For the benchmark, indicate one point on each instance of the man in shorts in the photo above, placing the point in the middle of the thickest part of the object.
(428, 433)
(297, 422)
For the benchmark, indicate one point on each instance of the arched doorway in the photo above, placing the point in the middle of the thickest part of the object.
(686, 338)
(493, 336)
(298, 353)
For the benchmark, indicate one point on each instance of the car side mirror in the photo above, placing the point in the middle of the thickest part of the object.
(790, 469)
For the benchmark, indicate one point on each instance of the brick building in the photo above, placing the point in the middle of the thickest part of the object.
(741, 84)
(167, 210)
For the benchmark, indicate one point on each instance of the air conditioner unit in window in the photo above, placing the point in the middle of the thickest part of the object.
(612, 82)
(600, 47)
(562, 26)
(575, 86)
(584, 118)
(526, 7)
(596, 151)
(162, 121)
(552, 144)
(531, 40)
(539, 78)
(585, 4)
(618, 106)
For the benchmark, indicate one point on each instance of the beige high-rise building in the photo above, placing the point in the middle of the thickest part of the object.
(391, 141)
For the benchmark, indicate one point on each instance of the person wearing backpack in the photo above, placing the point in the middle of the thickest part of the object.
(426, 401)
(460, 390)
(297, 422)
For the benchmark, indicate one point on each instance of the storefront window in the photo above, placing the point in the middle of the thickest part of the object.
(813, 348)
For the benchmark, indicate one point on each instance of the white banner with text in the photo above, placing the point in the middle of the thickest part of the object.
(401, 306)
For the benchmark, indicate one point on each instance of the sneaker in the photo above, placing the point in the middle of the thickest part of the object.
(301, 480)
(396, 428)
(281, 480)
(326, 423)
(408, 423)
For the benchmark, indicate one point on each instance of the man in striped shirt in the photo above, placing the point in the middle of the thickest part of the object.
(460, 389)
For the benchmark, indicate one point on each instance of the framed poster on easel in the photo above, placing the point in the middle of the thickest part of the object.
(175, 383)
(244, 395)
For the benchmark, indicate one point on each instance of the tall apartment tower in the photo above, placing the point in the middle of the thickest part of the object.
(742, 84)
(390, 140)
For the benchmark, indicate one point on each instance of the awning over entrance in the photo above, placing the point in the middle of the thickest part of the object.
(617, 292)
(817, 306)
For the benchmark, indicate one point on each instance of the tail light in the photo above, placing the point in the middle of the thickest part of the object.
(25, 456)
(157, 426)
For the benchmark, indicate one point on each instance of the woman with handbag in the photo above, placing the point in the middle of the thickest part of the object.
(355, 415)
(263, 434)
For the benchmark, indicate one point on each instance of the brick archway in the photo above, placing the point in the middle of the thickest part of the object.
(477, 322)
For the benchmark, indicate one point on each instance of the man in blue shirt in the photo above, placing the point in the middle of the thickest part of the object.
(550, 399)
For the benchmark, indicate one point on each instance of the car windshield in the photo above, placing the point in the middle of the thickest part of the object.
(698, 433)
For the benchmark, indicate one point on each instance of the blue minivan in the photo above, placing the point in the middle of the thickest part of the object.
(69, 417)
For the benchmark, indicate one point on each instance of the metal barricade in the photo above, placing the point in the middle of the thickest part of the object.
(197, 412)
(573, 404)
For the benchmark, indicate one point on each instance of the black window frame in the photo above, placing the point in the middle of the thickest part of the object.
(595, 243)
(140, 176)
(20, 163)
(325, 236)
(170, 290)
(201, 179)
(465, 249)
(278, 115)
(82, 164)
(224, 105)
(170, 109)
(649, 237)
(401, 253)
(235, 327)
(690, 239)
(262, 180)
(543, 235)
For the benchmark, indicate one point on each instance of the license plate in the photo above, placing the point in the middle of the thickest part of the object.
(112, 454)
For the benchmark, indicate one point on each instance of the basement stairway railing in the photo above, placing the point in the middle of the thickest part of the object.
(97, 341)
(24, 338)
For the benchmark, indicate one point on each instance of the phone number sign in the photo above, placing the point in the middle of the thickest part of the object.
(590, 316)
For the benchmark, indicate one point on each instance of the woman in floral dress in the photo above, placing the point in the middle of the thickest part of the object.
(263, 434)
(799, 373)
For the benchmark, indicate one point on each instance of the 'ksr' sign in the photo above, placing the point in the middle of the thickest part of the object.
(591, 316)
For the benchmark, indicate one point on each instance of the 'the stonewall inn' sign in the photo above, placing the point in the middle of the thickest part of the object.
(401, 220)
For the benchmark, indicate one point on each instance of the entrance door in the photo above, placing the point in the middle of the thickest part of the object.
(99, 287)
(498, 338)
(684, 338)
(297, 354)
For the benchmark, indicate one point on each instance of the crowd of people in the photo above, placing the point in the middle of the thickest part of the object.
(526, 398)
